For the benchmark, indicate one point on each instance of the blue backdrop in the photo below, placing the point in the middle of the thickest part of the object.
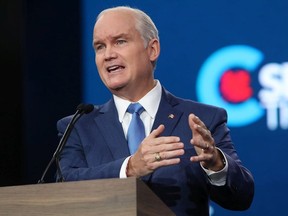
(232, 54)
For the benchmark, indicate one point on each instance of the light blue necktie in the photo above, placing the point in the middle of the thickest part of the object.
(136, 130)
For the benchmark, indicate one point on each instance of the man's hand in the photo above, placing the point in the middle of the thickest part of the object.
(154, 152)
(209, 157)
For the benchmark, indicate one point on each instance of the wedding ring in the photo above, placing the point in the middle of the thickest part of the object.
(157, 156)
(206, 148)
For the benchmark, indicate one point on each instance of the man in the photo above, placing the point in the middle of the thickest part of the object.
(187, 155)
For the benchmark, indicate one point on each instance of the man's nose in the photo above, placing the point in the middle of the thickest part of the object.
(110, 53)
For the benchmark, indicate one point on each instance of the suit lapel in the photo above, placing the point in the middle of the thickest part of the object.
(167, 114)
(112, 131)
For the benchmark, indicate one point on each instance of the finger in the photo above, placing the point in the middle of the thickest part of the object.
(205, 144)
(196, 120)
(166, 155)
(172, 140)
(156, 164)
(157, 132)
(202, 158)
(199, 147)
(161, 139)
(191, 121)
(169, 148)
(196, 125)
(160, 159)
(205, 133)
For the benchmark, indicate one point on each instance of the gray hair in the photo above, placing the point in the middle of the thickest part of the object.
(144, 24)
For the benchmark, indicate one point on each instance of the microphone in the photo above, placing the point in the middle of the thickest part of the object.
(86, 108)
(81, 109)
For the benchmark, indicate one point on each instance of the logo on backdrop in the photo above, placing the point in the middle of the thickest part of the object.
(225, 80)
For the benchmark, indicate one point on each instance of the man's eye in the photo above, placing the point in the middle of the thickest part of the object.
(99, 47)
(120, 41)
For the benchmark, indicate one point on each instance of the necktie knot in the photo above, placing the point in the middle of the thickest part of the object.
(135, 108)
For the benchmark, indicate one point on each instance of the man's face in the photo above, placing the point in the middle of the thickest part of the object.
(123, 63)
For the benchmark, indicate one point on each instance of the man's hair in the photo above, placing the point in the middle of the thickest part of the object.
(144, 24)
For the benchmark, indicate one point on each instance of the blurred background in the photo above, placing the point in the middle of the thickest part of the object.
(233, 54)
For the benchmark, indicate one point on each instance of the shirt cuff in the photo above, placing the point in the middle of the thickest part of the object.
(218, 178)
(123, 168)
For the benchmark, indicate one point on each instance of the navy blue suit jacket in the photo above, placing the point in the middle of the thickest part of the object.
(97, 148)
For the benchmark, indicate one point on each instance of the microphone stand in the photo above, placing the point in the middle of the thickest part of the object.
(81, 109)
(63, 141)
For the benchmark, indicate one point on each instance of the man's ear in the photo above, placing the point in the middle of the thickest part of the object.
(154, 49)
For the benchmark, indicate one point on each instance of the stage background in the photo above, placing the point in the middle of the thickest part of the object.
(198, 35)
(48, 61)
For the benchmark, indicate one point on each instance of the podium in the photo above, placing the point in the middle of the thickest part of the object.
(102, 197)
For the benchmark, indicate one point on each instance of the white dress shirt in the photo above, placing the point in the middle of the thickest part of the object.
(151, 102)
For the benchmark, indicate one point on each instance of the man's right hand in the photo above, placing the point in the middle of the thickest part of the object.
(155, 151)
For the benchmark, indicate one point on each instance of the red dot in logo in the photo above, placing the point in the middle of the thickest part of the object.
(235, 86)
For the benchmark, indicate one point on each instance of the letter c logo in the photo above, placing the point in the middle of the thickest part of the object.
(208, 82)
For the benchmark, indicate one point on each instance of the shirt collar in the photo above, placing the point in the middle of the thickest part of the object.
(149, 101)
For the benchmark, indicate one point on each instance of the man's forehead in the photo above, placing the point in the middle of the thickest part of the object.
(113, 25)
(116, 15)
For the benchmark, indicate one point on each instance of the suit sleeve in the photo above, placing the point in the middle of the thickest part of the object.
(238, 192)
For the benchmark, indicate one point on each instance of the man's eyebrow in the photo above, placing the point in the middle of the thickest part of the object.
(122, 35)
(95, 42)
(99, 41)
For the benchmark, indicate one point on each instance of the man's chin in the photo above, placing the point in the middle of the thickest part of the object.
(116, 88)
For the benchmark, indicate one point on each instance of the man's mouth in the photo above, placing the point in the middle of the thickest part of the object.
(114, 68)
